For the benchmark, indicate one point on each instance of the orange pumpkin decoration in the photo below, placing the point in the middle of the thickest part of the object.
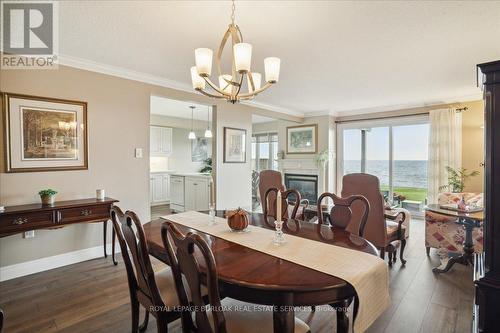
(237, 219)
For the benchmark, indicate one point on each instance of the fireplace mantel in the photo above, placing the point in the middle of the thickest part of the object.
(303, 166)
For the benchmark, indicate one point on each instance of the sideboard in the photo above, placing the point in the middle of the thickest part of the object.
(22, 218)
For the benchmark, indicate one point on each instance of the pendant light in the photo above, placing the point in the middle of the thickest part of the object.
(192, 135)
(208, 132)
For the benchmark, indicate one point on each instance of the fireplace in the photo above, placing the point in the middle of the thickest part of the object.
(307, 185)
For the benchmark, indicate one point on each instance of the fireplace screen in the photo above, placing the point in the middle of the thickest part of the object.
(307, 185)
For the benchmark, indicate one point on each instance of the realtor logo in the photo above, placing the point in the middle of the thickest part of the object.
(29, 34)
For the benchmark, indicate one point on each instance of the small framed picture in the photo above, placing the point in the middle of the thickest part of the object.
(235, 145)
(199, 149)
(44, 134)
(302, 139)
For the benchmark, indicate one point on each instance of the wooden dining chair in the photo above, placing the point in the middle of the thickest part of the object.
(191, 255)
(154, 291)
(384, 231)
(273, 179)
(289, 208)
(340, 214)
(1, 320)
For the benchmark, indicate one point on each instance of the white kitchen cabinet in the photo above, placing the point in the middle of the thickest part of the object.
(177, 193)
(159, 190)
(160, 141)
(196, 193)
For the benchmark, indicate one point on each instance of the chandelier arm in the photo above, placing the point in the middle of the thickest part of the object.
(214, 87)
(267, 85)
(221, 48)
(239, 86)
(250, 79)
(210, 95)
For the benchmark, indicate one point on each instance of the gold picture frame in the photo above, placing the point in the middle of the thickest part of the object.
(302, 139)
(44, 134)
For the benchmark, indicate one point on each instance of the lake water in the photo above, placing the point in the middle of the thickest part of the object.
(405, 173)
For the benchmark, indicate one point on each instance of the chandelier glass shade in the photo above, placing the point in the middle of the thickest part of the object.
(230, 84)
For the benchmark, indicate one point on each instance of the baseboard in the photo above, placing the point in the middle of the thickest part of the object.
(47, 263)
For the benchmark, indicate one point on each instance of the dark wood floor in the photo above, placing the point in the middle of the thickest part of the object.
(93, 297)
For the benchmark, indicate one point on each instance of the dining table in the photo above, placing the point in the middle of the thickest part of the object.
(252, 276)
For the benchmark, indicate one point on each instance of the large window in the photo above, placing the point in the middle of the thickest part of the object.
(265, 151)
(395, 151)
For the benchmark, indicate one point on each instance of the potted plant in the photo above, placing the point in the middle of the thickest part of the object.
(47, 196)
(457, 178)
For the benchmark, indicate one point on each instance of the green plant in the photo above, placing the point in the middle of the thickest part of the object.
(207, 166)
(323, 157)
(47, 192)
(457, 178)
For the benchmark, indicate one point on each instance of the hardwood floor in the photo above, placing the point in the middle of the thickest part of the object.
(157, 211)
(92, 296)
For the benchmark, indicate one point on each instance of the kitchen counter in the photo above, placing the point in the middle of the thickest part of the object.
(191, 174)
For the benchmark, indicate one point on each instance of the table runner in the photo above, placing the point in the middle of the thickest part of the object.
(367, 273)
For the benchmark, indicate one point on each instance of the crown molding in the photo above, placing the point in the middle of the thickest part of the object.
(125, 73)
(396, 107)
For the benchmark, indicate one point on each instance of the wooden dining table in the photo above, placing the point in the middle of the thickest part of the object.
(251, 276)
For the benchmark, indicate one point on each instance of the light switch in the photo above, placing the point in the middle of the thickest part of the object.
(138, 152)
(29, 234)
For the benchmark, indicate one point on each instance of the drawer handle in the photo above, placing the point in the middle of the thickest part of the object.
(20, 220)
(86, 212)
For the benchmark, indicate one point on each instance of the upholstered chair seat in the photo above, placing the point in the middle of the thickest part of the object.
(242, 317)
(166, 285)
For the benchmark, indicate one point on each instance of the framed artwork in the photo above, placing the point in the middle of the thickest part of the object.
(302, 139)
(235, 145)
(199, 149)
(44, 134)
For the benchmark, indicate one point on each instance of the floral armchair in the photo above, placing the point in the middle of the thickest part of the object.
(441, 231)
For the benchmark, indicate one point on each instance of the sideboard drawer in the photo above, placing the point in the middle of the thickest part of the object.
(13, 223)
(83, 214)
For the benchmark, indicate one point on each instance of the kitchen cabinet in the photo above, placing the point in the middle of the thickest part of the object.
(159, 188)
(196, 193)
(160, 141)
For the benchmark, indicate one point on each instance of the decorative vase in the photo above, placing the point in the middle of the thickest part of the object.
(47, 199)
(237, 219)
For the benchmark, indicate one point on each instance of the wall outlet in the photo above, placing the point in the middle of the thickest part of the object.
(138, 152)
(29, 234)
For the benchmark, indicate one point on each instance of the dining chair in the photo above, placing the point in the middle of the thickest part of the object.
(1, 320)
(273, 179)
(384, 231)
(289, 209)
(340, 215)
(154, 291)
(191, 255)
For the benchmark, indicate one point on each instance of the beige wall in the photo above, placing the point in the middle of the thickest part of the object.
(473, 144)
(118, 122)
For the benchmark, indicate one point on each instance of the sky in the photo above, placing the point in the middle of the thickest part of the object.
(409, 143)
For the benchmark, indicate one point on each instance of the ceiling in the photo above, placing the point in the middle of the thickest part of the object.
(337, 57)
(179, 109)
(257, 119)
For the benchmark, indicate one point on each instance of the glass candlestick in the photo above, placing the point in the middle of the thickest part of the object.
(278, 234)
(211, 213)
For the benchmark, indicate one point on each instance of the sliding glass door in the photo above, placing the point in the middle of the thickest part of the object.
(394, 150)
(264, 151)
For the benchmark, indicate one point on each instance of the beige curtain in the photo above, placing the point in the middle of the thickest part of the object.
(445, 149)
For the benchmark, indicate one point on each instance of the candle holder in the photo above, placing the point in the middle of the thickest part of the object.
(279, 238)
(211, 220)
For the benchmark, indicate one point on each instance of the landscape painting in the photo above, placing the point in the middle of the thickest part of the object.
(49, 134)
(302, 139)
(44, 134)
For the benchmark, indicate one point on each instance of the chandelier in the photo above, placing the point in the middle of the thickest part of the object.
(230, 85)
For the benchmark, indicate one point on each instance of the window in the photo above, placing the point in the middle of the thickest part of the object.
(395, 150)
(265, 151)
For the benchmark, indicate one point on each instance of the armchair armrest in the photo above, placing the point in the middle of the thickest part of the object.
(396, 216)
